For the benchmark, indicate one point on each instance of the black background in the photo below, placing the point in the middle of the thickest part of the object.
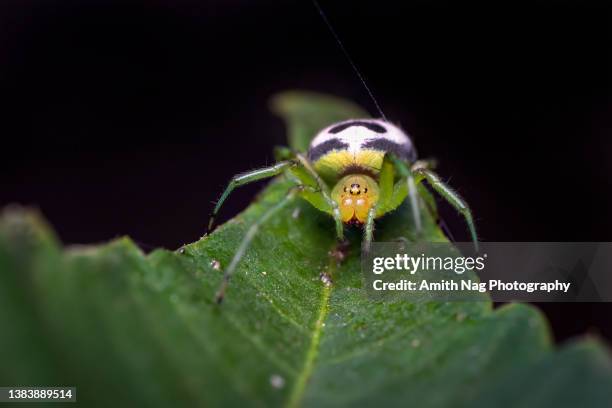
(128, 117)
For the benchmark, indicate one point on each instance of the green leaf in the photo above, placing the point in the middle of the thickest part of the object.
(143, 330)
(305, 113)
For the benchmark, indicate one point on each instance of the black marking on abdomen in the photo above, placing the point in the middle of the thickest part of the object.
(374, 127)
(357, 168)
(404, 151)
(322, 149)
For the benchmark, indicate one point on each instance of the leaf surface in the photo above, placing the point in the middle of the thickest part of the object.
(143, 329)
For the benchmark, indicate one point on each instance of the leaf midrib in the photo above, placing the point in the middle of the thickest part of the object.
(299, 387)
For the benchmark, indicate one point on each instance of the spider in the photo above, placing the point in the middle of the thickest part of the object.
(356, 171)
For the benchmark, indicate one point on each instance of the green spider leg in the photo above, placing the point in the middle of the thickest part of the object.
(246, 178)
(368, 231)
(407, 176)
(325, 193)
(392, 194)
(302, 172)
(248, 238)
(412, 176)
(321, 198)
(452, 197)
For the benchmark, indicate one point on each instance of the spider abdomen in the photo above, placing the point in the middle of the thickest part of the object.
(357, 145)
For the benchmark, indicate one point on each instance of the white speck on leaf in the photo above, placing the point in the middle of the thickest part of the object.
(276, 381)
(216, 265)
(325, 278)
(296, 213)
(415, 343)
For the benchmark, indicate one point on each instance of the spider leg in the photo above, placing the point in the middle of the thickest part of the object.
(246, 178)
(425, 164)
(404, 170)
(324, 190)
(413, 195)
(368, 231)
(248, 238)
(453, 199)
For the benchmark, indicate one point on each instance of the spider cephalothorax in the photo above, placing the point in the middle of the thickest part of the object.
(355, 195)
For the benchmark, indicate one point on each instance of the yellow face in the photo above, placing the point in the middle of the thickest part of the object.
(355, 195)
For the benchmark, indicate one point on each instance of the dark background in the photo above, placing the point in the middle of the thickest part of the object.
(128, 117)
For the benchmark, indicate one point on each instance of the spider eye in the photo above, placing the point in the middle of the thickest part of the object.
(345, 189)
(365, 189)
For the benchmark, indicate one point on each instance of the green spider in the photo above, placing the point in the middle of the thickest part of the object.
(356, 171)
